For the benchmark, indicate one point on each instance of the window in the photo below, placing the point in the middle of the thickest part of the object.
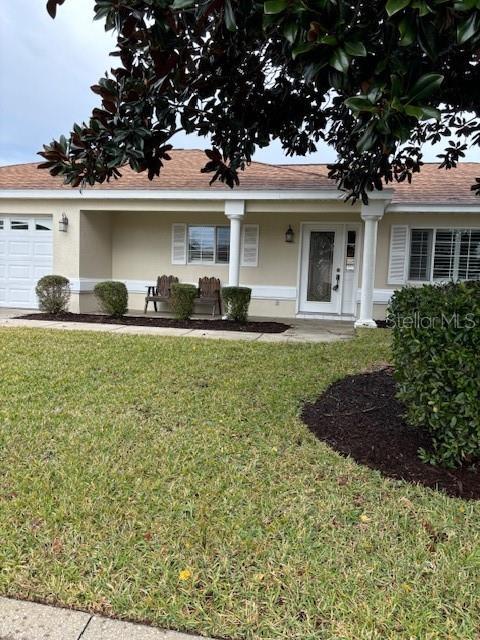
(420, 254)
(456, 254)
(43, 225)
(19, 225)
(208, 245)
(350, 253)
(1, 225)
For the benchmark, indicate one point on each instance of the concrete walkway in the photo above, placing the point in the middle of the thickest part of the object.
(300, 331)
(21, 620)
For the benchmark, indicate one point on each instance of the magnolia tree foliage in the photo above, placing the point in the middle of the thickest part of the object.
(374, 79)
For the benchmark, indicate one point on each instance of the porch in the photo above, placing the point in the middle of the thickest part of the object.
(310, 260)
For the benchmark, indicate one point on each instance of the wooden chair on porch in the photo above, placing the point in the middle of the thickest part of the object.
(209, 292)
(160, 293)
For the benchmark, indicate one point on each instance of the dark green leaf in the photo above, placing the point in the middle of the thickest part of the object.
(229, 15)
(360, 103)
(290, 31)
(355, 49)
(340, 61)
(467, 29)
(275, 6)
(182, 4)
(425, 86)
(304, 47)
(408, 31)
(394, 6)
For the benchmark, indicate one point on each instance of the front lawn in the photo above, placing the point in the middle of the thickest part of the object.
(171, 481)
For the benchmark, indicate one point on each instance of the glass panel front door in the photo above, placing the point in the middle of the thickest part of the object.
(321, 274)
(320, 266)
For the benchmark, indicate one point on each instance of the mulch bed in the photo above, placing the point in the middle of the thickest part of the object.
(360, 417)
(138, 321)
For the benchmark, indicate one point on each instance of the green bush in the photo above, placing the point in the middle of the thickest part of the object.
(237, 301)
(436, 349)
(53, 293)
(183, 300)
(112, 297)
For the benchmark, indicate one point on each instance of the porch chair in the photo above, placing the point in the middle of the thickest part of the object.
(160, 293)
(209, 292)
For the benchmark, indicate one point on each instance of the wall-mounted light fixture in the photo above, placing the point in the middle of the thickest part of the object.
(63, 223)
(289, 234)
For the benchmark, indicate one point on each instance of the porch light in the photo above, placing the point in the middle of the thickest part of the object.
(63, 223)
(289, 234)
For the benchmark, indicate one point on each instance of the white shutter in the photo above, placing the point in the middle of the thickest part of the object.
(398, 254)
(249, 245)
(179, 243)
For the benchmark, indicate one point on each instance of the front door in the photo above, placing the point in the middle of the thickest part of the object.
(321, 269)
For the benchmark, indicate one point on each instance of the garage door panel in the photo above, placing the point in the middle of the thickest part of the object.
(20, 295)
(42, 249)
(20, 272)
(25, 257)
(19, 249)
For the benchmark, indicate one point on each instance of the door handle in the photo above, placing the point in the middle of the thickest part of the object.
(337, 284)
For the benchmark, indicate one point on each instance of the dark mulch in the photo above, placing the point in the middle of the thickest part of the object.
(360, 417)
(138, 321)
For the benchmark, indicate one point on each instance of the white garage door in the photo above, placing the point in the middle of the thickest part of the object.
(26, 254)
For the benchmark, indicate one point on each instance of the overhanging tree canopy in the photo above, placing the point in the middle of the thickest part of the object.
(374, 79)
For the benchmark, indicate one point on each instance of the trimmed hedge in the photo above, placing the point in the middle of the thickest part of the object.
(183, 300)
(237, 301)
(112, 297)
(53, 293)
(436, 350)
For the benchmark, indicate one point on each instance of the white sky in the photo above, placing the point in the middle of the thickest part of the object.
(46, 70)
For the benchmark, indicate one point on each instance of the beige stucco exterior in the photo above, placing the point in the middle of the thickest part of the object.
(130, 240)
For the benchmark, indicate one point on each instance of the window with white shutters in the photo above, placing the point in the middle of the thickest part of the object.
(440, 255)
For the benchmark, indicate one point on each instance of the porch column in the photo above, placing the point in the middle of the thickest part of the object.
(370, 214)
(235, 211)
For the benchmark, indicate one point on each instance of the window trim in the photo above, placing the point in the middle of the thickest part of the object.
(213, 262)
(434, 229)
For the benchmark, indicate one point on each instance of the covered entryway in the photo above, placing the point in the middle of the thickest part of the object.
(26, 254)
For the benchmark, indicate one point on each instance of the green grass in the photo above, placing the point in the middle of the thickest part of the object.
(125, 461)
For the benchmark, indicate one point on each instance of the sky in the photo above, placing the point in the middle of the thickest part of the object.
(46, 70)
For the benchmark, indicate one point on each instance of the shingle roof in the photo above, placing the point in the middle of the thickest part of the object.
(183, 172)
(431, 185)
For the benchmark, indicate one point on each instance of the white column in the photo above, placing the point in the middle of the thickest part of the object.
(371, 214)
(235, 211)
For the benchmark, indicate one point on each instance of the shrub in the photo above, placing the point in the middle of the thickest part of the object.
(112, 297)
(237, 301)
(436, 347)
(183, 300)
(53, 293)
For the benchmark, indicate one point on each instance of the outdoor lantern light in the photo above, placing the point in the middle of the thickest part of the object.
(289, 235)
(63, 223)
